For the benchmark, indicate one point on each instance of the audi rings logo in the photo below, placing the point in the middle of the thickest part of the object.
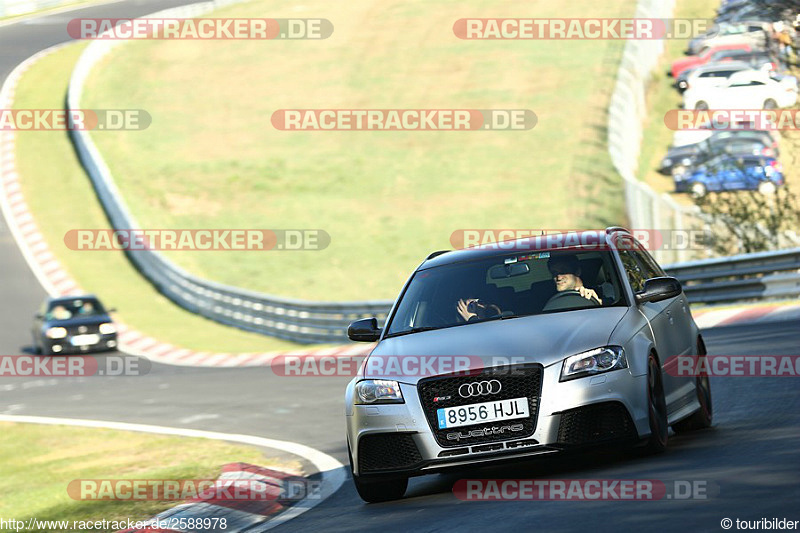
(479, 388)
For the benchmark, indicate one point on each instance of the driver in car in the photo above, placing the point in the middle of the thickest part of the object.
(566, 271)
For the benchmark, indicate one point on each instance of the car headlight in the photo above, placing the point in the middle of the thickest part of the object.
(593, 362)
(686, 161)
(107, 328)
(667, 162)
(56, 333)
(372, 391)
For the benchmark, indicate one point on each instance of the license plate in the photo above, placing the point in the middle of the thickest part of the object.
(84, 340)
(478, 413)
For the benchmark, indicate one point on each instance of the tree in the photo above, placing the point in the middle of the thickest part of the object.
(748, 221)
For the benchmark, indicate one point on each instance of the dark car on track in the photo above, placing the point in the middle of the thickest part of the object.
(73, 324)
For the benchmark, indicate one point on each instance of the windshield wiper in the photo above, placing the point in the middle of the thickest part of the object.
(412, 330)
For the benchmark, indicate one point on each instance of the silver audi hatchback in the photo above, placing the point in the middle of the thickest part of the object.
(519, 349)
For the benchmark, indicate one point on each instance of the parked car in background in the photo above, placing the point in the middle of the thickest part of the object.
(722, 142)
(73, 324)
(732, 12)
(732, 147)
(752, 33)
(711, 55)
(732, 173)
(710, 74)
(706, 130)
(744, 90)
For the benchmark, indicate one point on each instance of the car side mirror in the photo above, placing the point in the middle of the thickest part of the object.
(38, 316)
(657, 289)
(112, 310)
(364, 330)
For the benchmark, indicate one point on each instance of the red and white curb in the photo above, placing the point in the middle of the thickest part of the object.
(56, 280)
(711, 318)
(252, 516)
(248, 508)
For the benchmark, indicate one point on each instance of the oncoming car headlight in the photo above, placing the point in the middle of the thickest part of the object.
(107, 328)
(593, 362)
(372, 391)
(56, 333)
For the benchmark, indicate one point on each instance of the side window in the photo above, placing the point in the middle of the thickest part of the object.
(635, 275)
(650, 268)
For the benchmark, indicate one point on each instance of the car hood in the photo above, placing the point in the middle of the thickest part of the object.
(545, 339)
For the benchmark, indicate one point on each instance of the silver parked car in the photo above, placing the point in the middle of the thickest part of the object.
(565, 338)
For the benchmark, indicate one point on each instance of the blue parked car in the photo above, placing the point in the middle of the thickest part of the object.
(732, 173)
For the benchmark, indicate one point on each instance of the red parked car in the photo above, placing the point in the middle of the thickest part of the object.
(712, 54)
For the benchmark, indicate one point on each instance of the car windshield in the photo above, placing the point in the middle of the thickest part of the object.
(506, 286)
(76, 308)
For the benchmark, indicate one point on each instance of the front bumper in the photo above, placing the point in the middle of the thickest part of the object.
(66, 347)
(398, 439)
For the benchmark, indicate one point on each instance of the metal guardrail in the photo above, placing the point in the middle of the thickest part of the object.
(757, 276)
(295, 320)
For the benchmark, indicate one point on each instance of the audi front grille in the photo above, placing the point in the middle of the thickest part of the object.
(516, 381)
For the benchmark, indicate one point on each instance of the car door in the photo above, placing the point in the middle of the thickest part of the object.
(672, 329)
(652, 311)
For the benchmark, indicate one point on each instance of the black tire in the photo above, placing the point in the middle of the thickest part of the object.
(657, 408)
(701, 105)
(703, 417)
(770, 104)
(376, 489)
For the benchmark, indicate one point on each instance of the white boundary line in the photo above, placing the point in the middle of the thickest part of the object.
(332, 471)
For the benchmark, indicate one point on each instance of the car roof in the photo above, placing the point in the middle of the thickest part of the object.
(65, 299)
(523, 244)
(751, 75)
(721, 65)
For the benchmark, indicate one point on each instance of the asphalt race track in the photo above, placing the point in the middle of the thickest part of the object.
(750, 459)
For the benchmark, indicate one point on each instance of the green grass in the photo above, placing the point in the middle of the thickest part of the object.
(40, 461)
(212, 159)
(62, 198)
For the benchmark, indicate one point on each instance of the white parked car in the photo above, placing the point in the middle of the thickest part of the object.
(744, 90)
(712, 74)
